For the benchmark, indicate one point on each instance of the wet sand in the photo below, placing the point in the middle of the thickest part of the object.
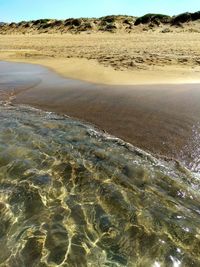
(162, 119)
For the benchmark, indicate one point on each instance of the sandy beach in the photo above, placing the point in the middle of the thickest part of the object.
(135, 58)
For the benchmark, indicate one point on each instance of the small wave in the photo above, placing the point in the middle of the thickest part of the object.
(71, 195)
(191, 151)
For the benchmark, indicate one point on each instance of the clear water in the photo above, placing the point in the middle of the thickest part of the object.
(73, 196)
(191, 151)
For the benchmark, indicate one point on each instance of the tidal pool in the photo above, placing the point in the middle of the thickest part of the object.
(73, 196)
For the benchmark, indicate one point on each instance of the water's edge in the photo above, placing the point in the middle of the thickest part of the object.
(73, 196)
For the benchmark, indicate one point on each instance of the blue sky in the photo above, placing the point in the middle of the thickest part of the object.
(18, 10)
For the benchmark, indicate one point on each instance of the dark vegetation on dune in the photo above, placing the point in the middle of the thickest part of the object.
(103, 24)
(153, 18)
(185, 17)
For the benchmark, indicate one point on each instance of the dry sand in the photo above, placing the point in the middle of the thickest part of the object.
(138, 58)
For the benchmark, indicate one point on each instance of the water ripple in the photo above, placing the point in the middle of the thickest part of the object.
(73, 196)
(192, 150)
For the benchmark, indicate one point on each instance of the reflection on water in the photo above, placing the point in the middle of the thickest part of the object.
(72, 196)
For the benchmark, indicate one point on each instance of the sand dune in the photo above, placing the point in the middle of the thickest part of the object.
(149, 22)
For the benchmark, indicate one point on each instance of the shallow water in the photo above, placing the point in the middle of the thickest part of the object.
(162, 119)
(191, 151)
(73, 196)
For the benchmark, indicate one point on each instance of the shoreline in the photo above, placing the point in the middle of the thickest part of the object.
(91, 71)
(94, 127)
(159, 119)
(110, 59)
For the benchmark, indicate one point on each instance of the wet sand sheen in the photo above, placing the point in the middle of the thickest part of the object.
(159, 118)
